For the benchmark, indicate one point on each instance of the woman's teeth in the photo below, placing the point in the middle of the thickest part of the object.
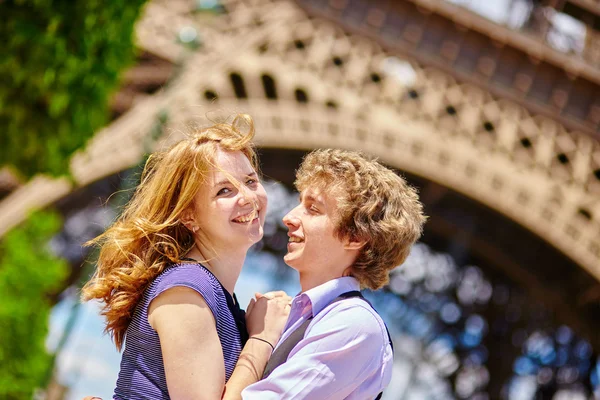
(246, 218)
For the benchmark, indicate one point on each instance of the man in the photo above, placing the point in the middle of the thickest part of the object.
(355, 222)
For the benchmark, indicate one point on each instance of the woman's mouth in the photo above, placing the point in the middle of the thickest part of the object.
(244, 219)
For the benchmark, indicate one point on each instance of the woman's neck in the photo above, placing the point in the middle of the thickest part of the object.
(224, 265)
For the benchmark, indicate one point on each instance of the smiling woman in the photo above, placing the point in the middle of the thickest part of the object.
(168, 266)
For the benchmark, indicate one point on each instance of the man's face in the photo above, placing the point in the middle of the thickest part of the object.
(313, 246)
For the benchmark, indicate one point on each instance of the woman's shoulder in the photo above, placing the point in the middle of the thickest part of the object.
(193, 276)
(185, 270)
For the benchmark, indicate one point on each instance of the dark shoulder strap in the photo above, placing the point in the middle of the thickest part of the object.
(282, 351)
(239, 315)
(356, 293)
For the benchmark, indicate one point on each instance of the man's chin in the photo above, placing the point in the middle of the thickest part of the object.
(290, 261)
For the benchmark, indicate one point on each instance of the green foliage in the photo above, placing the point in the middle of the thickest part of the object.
(29, 274)
(61, 61)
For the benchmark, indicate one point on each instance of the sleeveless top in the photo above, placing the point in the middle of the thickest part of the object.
(142, 373)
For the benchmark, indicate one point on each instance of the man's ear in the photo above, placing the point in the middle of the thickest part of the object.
(354, 244)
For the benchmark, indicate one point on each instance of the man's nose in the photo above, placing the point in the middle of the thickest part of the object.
(290, 219)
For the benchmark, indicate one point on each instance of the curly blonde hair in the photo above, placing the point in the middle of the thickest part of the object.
(149, 236)
(374, 206)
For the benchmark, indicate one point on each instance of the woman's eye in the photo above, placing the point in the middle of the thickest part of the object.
(251, 182)
(223, 191)
(314, 209)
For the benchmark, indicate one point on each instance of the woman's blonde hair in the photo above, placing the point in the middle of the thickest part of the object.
(374, 206)
(149, 235)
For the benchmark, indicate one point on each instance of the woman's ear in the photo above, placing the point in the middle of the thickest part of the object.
(187, 219)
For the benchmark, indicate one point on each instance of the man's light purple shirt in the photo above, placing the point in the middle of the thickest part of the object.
(345, 353)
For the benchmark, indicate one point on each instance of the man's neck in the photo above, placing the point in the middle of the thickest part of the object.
(318, 275)
(308, 281)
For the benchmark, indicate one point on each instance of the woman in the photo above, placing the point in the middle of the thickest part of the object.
(167, 269)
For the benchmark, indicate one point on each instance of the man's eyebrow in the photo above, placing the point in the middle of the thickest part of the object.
(226, 181)
(312, 199)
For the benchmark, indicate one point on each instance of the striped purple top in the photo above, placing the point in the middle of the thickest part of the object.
(142, 373)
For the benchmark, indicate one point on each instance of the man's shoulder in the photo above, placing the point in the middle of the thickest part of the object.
(352, 313)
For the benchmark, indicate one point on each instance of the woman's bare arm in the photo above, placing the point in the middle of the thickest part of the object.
(191, 349)
(266, 318)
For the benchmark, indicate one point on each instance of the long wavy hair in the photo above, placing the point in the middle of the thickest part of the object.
(149, 236)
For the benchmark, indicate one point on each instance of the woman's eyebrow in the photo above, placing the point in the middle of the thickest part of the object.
(223, 182)
(227, 181)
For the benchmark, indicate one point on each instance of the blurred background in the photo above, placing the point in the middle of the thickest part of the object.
(490, 108)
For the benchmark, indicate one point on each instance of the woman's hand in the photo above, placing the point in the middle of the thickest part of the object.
(267, 314)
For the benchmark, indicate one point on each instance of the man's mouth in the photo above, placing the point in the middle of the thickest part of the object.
(244, 219)
(295, 239)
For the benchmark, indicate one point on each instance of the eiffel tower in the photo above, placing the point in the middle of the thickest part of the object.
(493, 112)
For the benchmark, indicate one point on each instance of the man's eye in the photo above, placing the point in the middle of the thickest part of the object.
(314, 209)
(223, 191)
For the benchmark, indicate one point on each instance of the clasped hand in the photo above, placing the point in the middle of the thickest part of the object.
(267, 314)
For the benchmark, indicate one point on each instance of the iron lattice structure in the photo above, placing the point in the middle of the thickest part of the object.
(309, 83)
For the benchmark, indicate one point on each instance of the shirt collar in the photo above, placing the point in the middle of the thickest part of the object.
(322, 295)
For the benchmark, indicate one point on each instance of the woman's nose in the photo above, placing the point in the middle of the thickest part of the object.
(247, 197)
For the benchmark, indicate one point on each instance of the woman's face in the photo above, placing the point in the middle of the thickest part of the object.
(231, 215)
